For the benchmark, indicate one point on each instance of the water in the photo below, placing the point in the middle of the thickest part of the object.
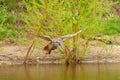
(61, 72)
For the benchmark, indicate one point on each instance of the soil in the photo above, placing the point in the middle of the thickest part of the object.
(117, 8)
(98, 52)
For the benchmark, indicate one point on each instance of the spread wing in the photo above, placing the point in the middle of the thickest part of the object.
(63, 38)
(47, 38)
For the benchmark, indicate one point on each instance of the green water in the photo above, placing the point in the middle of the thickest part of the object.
(61, 72)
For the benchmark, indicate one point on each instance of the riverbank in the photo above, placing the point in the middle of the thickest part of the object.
(98, 52)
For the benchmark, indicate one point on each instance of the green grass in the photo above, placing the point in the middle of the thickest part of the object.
(112, 26)
(6, 24)
(118, 1)
(57, 18)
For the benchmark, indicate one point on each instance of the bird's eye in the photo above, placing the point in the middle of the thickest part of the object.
(59, 44)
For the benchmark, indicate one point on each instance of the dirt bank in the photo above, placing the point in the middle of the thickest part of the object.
(97, 52)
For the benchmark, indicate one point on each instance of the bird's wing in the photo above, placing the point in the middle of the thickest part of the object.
(47, 38)
(63, 38)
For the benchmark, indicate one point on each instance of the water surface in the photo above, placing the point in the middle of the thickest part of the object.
(61, 72)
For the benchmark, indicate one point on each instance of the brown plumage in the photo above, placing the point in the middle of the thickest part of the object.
(56, 43)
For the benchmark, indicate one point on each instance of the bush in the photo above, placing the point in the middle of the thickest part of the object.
(112, 26)
(6, 24)
(57, 18)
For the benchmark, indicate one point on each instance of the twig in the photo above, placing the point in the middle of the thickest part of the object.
(28, 52)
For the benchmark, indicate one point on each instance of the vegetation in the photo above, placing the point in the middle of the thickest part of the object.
(6, 24)
(57, 18)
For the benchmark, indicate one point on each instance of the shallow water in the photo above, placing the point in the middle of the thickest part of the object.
(61, 72)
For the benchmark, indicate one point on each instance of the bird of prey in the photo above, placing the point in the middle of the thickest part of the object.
(56, 43)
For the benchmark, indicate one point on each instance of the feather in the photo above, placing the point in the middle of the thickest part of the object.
(63, 38)
(47, 38)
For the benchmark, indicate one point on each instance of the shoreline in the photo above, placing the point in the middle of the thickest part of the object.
(98, 52)
(107, 61)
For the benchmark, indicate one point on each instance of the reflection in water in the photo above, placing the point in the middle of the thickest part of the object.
(72, 72)
(61, 72)
(27, 73)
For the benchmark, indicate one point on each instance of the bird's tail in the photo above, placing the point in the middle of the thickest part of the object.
(46, 48)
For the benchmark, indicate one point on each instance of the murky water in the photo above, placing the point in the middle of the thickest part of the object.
(61, 72)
